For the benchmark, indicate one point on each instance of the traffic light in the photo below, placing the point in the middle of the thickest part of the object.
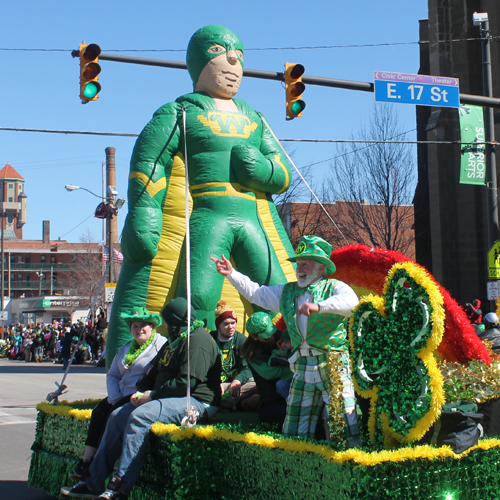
(294, 89)
(89, 71)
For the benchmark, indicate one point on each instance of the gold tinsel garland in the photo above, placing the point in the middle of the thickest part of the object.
(336, 421)
(475, 382)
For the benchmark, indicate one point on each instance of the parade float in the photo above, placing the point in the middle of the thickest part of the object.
(200, 185)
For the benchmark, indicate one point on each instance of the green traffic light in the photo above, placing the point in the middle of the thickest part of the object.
(297, 107)
(91, 90)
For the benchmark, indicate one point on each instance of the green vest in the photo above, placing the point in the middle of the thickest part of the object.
(325, 331)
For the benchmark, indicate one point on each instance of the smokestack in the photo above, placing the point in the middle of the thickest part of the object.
(46, 231)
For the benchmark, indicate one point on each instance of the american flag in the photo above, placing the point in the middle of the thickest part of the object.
(117, 256)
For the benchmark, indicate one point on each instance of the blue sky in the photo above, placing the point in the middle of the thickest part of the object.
(40, 89)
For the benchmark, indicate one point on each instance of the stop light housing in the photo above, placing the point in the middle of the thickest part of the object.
(294, 89)
(89, 72)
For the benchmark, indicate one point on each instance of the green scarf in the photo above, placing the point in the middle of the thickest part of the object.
(183, 335)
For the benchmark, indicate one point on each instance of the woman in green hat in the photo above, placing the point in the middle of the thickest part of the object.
(130, 364)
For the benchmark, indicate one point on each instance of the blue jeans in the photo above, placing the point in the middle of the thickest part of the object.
(127, 436)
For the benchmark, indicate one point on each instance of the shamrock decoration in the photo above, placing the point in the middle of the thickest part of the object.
(393, 339)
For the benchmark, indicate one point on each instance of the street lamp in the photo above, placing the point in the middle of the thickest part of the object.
(106, 210)
(41, 276)
(71, 187)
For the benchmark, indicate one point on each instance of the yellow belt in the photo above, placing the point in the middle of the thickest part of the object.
(222, 189)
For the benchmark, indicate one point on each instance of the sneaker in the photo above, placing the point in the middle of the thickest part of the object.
(80, 490)
(81, 471)
(113, 495)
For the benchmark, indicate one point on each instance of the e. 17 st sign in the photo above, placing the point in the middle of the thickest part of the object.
(422, 90)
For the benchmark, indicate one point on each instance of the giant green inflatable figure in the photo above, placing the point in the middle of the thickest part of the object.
(234, 166)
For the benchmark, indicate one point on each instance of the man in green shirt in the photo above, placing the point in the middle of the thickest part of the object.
(237, 384)
(161, 397)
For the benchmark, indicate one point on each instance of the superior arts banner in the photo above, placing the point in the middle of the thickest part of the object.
(473, 161)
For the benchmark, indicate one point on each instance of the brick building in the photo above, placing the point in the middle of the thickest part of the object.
(353, 222)
(43, 279)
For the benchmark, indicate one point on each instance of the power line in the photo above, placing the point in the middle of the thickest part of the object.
(74, 132)
(91, 215)
(364, 141)
(305, 47)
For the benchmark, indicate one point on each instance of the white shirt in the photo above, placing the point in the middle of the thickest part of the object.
(342, 302)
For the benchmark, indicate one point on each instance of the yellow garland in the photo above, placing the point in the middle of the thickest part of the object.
(335, 406)
(65, 411)
(356, 455)
(427, 353)
(80, 402)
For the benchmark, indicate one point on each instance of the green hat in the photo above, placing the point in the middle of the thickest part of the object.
(175, 314)
(143, 315)
(260, 324)
(197, 56)
(315, 248)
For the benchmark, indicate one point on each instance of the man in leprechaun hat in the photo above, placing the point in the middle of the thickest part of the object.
(314, 309)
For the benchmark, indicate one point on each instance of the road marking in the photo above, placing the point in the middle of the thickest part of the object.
(17, 422)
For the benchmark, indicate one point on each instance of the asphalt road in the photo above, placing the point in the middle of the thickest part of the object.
(22, 386)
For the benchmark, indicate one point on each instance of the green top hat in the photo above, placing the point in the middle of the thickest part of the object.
(260, 324)
(315, 248)
(143, 315)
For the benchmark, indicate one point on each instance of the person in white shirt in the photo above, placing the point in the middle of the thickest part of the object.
(315, 310)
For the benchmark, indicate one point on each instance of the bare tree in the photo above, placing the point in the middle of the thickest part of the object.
(299, 210)
(375, 183)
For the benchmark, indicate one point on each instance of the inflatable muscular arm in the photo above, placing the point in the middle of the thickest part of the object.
(265, 169)
(149, 175)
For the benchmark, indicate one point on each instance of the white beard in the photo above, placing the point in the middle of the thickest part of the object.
(306, 279)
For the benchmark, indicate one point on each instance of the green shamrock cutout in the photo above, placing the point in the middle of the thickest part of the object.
(392, 340)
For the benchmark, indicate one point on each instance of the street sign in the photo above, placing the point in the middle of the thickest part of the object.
(110, 292)
(4, 315)
(422, 90)
(492, 290)
(494, 261)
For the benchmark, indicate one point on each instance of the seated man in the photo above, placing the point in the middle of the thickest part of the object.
(237, 383)
(162, 399)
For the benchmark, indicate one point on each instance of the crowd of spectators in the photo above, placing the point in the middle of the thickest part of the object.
(55, 342)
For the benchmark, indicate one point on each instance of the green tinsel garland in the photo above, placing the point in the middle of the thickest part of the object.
(135, 350)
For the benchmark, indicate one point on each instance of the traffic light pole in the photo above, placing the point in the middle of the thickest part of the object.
(489, 132)
(476, 100)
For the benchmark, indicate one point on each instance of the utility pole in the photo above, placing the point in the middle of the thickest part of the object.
(481, 20)
(111, 222)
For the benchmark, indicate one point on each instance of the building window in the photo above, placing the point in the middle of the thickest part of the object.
(27, 260)
(42, 259)
(11, 186)
(20, 278)
(10, 198)
(52, 260)
(28, 277)
(12, 258)
(19, 259)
